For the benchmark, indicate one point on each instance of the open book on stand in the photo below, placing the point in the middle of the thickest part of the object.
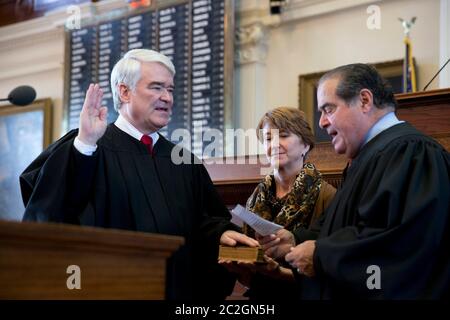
(242, 253)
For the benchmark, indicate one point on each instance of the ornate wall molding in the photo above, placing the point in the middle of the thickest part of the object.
(254, 22)
(31, 68)
(29, 38)
(251, 11)
(302, 9)
(251, 43)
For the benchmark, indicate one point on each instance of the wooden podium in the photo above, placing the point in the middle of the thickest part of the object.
(113, 264)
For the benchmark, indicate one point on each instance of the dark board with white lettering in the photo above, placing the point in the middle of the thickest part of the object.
(82, 70)
(111, 46)
(192, 33)
(173, 41)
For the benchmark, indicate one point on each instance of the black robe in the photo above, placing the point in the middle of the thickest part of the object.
(121, 186)
(392, 211)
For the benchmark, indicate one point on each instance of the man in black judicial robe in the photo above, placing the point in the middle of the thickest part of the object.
(104, 176)
(386, 233)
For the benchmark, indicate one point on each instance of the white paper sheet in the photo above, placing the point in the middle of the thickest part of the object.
(260, 225)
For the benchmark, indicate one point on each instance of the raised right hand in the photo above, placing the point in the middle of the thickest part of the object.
(93, 117)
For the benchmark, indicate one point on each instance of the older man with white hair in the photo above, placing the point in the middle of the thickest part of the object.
(121, 176)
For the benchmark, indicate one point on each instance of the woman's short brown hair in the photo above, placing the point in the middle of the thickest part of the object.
(289, 119)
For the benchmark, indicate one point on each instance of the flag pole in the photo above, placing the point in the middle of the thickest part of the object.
(409, 70)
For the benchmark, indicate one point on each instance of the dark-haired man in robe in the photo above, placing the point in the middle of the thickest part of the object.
(386, 234)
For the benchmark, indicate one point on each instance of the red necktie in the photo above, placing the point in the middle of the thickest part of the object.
(148, 141)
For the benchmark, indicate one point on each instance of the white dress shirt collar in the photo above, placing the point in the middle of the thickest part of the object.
(128, 128)
(385, 122)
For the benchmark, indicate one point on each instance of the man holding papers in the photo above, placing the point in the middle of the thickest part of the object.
(386, 233)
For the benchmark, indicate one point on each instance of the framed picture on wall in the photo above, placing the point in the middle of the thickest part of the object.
(24, 133)
(391, 70)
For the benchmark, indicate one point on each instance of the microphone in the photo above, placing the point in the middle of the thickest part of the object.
(425, 88)
(21, 96)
